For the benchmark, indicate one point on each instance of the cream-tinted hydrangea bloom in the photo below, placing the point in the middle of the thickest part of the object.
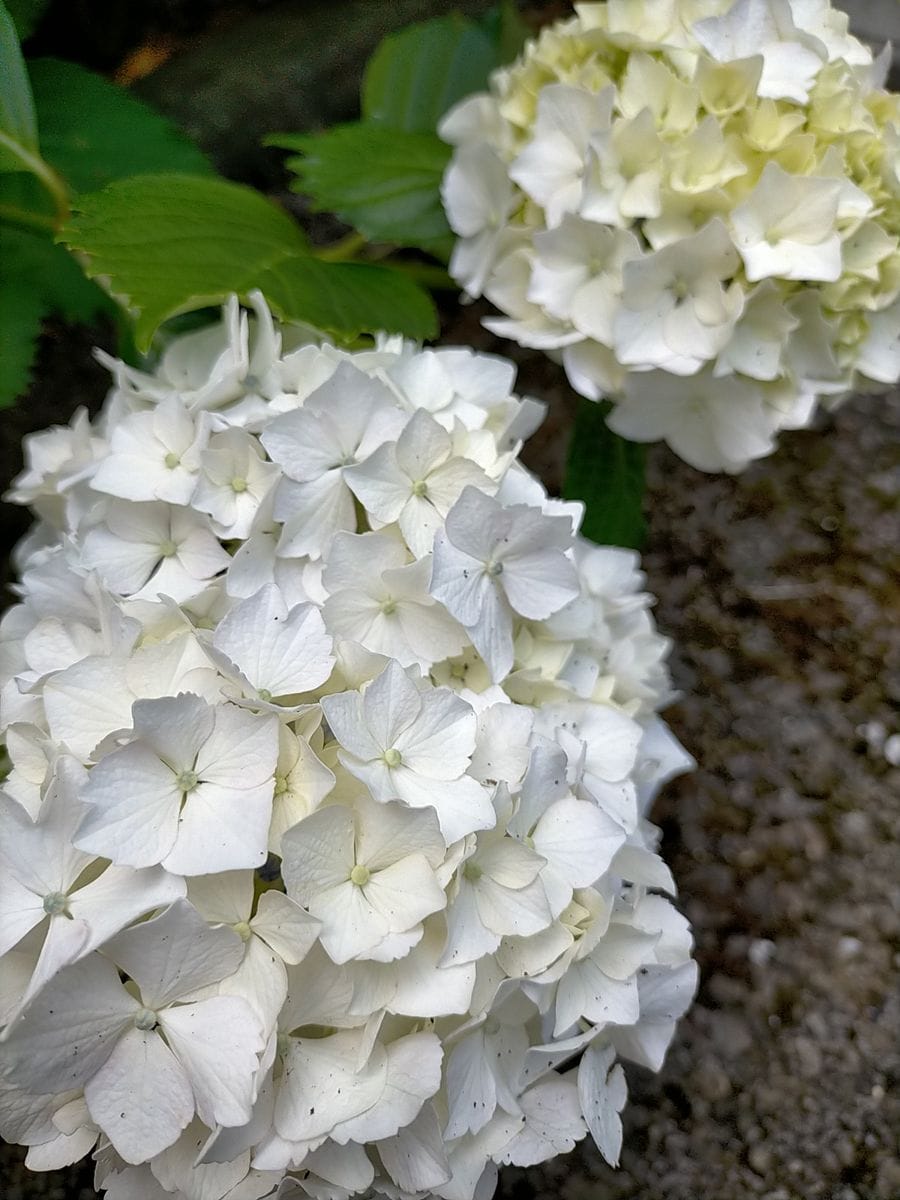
(694, 204)
(325, 850)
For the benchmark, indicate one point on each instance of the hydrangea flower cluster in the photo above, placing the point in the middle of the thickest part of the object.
(324, 842)
(695, 204)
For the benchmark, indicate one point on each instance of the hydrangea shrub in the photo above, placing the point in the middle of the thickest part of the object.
(695, 205)
(326, 868)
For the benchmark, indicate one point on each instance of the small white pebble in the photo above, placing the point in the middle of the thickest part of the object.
(848, 947)
(892, 749)
(874, 733)
(760, 951)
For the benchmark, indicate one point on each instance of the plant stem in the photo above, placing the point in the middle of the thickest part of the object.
(425, 273)
(343, 251)
(10, 214)
(42, 171)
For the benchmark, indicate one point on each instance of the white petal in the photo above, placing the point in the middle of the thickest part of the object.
(284, 651)
(579, 839)
(284, 926)
(553, 1123)
(318, 853)
(602, 1092)
(324, 1086)
(415, 1158)
(175, 953)
(69, 1030)
(134, 805)
(413, 1076)
(218, 1042)
(141, 1097)
(471, 1091)
(221, 829)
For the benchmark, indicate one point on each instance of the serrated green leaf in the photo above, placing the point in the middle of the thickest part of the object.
(37, 279)
(25, 15)
(18, 124)
(384, 182)
(50, 271)
(20, 324)
(607, 472)
(168, 244)
(93, 132)
(416, 75)
(349, 299)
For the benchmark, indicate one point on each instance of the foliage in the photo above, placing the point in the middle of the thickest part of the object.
(382, 175)
(62, 130)
(385, 182)
(167, 244)
(607, 473)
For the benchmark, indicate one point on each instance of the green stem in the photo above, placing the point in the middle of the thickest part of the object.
(343, 251)
(426, 274)
(10, 214)
(42, 171)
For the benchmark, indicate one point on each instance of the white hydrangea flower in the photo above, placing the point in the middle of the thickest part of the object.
(192, 791)
(492, 561)
(153, 455)
(325, 844)
(365, 873)
(697, 189)
(140, 1089)
(380, 599)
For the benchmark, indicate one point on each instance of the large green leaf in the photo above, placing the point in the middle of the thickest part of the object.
(607, 473)
(18, 124)
(25, 15)
(384, 182)
(167, 244)
(37, 278)
(506, 29)
(93, 132)
(415, 75)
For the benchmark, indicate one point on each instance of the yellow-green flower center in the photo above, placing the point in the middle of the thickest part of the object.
(56, 904)
(145, 1019)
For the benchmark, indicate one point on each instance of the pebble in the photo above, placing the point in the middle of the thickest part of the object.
(761, 951)
(892, 749)
(760, 1159)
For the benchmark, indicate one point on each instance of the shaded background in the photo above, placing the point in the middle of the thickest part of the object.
(781, 591)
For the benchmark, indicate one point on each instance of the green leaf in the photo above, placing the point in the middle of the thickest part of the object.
(168, 244)
(415, 75)
(507, 31)
(607, 473)
(26, 14)
(20, 324)
(384, 182)
(37, 278)
(93, 131)
(18, 124)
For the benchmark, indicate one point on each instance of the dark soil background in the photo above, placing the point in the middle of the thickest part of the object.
(781, 590)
